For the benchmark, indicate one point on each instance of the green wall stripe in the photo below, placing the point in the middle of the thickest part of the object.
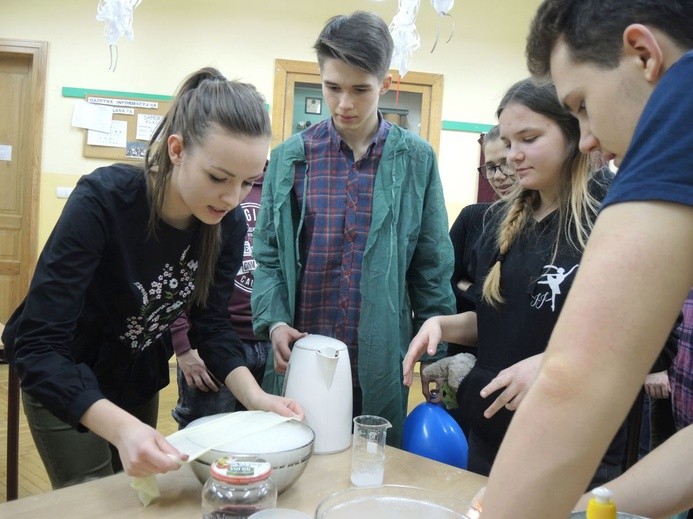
(460, 126)
(82, 92)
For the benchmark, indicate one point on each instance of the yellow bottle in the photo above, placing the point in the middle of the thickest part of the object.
(600, 505)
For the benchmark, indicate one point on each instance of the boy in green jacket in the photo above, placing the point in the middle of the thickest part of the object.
(352, 238)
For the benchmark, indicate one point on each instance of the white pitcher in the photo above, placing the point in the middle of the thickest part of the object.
(319, 378)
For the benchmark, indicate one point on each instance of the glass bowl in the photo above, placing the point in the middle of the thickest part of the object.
(395, 502)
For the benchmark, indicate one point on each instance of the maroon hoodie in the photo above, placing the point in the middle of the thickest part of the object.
(239, 304)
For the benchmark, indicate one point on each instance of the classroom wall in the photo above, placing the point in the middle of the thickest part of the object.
(174, 37)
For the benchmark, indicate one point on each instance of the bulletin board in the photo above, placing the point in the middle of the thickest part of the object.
(132, 118)
(135, 116)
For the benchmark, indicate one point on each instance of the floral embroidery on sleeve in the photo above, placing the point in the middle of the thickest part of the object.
(161, 303)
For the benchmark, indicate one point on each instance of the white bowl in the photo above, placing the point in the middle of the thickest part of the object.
(287, 446)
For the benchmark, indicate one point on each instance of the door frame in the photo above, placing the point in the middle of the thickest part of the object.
(289, 72)
(37, 52)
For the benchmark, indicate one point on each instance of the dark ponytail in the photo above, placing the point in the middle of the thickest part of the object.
(206, 99)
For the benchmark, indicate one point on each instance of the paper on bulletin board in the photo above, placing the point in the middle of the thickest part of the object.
(5, 152)
(133, 103)
(146, 124)
(91, 116)
(123, 142)
(115, 138)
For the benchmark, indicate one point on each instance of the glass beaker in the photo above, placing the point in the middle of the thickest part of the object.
(368, 450)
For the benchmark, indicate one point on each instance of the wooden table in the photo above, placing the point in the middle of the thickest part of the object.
(113, 498)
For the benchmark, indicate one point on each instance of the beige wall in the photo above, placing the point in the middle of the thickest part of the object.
(242, 39)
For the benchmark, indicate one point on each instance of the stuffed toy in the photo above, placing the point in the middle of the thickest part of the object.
(451, 370)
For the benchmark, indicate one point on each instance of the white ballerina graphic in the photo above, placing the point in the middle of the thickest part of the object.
(554, 280)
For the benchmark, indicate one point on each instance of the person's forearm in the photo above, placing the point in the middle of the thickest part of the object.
(610, 330)
(143, 451)
(659, 485)
(459, 328)
(107, 420)
(244, 387)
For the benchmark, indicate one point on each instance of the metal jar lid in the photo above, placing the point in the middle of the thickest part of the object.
(240, 470)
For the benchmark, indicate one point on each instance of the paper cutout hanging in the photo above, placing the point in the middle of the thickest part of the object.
(404, 34)
(443, 8)
(118, 16)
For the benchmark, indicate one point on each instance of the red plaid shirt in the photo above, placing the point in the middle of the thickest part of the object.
(338, 201)
(681, 371)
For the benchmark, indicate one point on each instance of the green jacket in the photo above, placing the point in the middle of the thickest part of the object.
(406, 271)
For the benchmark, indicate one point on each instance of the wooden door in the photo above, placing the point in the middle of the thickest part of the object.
(288, 74)
(22, 87)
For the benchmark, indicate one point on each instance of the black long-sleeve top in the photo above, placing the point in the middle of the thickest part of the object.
(464, 233)
(95, 322)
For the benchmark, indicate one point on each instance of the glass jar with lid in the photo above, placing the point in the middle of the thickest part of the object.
(238, 487)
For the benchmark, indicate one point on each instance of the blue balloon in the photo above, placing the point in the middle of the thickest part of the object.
(431, 432)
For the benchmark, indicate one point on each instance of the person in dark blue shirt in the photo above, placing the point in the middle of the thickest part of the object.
(624, 68)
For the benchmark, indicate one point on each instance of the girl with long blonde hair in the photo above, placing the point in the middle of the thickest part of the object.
(525, 261)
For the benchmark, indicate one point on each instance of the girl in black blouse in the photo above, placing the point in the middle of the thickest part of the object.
(133, 247)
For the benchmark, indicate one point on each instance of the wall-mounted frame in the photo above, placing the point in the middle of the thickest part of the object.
(313, 105)
(289, 73)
